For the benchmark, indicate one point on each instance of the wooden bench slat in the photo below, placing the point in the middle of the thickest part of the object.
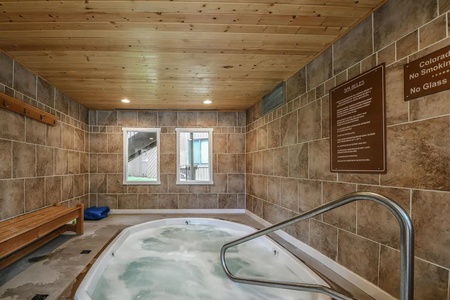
(22, 235)
(11, 229)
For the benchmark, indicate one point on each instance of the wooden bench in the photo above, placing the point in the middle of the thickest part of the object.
(24, 234)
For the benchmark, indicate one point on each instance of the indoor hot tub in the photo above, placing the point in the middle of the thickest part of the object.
(180, 259)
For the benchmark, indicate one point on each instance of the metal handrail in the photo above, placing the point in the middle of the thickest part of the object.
(406, 246)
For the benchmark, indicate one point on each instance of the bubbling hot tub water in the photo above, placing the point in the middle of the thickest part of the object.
(181, 261)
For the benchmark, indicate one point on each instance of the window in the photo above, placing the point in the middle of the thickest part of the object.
(194, 156)
(141, 155)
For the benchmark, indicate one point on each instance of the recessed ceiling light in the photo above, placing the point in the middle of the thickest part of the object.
(125, 101)
(207, 102)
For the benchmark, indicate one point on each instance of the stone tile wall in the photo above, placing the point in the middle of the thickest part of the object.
(106, 161)
(40, 165)
(288, 169)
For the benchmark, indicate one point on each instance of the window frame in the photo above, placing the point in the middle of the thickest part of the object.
(209, 131)
(125, 130)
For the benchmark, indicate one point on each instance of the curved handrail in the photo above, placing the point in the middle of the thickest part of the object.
(406, 246)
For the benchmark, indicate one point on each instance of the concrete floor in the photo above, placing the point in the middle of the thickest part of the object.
(57, 268)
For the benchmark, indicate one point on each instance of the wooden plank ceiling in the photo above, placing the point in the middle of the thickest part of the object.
(172, 54)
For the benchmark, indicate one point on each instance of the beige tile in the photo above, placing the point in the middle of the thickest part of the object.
(387, 54)
(6, 69)
(109, 200)
(369, 63)
(227, 201)
(241, 163)
(389, 20)
(220, 183)
(207, 119)
(354, 71)
(107, 117)
(147, 119)
(67, 134)
(433, 32)
(67, 188)
(115, 183)
(325, 116)
(430, 106)
(35, 132)
(236, 143)
(249, 162)
(79, 185)
(418, 155)
(84, 162)
(24, 160)
(137, 189)
(187, 201)
(274, 190)
(258, 164)
(236, 183)
(148, 201)
(358, 255)
(359, 178)
(6, 159)
(343, 217)
(167, 118)
(271, 213)
(11, 198)
(345, 54)
(61, 102)
(176, 188)
(430, 281)
(261, 137)
(250, 141)
(61, 162)
(289, 194)
(13, 125)
(74, 109)
(309, 195)
(260, 186)
(309, 122)
(242, 118)
(98, 143)
(98, 183)
(288, 129)
(227, 119)
(323, 238)
(107, 163)
(281, 162)
(444, 6)
(93, 163)
(186, 118)
(320, 69)
(227, 163)
(53, 135)
(115, 142)
(375, 222)
(220, 143)
(299, 230)
(168, 144)
(24, 80)
(127, 201)
(267, 162)
(34, 193)
(168, 164)
(296, 85)
(319, 160)
(407, 45)
(79, 142)
(73, 162)
(430, 211)
(241, 201)
(396, 107)
(298, 161)
(53, 190)
(274, 134)
(127, 118)
(208, 201)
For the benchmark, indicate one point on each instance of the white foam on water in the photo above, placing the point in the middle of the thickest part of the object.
(181, 262)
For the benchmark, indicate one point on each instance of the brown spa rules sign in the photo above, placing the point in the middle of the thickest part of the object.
(357, 124)
(428, 75)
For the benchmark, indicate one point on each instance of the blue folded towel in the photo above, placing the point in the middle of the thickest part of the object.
(96, 213)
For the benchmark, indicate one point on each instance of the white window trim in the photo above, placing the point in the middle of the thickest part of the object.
(210, 158)
(125, 155)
